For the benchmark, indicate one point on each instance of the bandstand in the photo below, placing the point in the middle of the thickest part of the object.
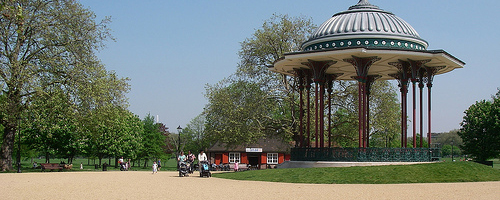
(364, 44)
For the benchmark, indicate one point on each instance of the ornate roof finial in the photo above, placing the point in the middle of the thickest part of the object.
(363, 4)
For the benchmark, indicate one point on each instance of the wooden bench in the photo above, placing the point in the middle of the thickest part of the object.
(51, 166)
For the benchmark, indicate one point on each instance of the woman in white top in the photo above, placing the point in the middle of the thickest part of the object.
(201, 157)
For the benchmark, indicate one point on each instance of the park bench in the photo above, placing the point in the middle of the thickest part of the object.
(51, 166)
(241, 167)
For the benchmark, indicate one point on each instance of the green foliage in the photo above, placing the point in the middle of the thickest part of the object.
(193, 136)
(480, 130)
(237, 114)
(447, 150)
(385, 115)
(278, 35)
(153, 139)
(46, 45)
(395, 174)
(448, 138)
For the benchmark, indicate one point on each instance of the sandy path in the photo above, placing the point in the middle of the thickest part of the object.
(167, 185)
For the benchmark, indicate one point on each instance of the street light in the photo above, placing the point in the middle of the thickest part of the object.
(452, 149)
(179, 129)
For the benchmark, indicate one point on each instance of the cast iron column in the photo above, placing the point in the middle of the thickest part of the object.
(308, 123)
(319, 72)
(431, 71)
(421, 75)
(415, 68)
(369, 83)
(362, 65)
(402, 77)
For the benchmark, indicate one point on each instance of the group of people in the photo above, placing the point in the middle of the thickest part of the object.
(156, 166)
(124, 166)
(190, 158)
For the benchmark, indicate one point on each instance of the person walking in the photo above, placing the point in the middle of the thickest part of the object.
(155, 168)
(190, 159)
(202, 157)
(159, 164)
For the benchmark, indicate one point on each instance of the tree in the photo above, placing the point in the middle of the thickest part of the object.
(51, 125)
(385, 115)
(272, 110)
(153, 140)
(194, 135)
(448, 138)
(236, 114)
(43, 43)
(480, 129)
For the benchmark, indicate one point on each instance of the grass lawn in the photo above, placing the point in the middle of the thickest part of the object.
(419, 173)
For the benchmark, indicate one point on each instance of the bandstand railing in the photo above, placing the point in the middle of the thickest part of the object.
(365, 154)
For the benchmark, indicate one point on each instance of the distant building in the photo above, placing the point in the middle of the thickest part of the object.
(265, 153)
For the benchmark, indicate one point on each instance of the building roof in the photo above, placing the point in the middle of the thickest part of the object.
(365, 25)
(439, 59)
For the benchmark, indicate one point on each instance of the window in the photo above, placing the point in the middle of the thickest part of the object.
(234, 157)
(272, 158)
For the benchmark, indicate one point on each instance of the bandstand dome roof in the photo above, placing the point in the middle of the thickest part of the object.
(365, 24)
(365, 30)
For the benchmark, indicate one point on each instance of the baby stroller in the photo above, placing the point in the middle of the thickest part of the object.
(183, 169)
(205, 169)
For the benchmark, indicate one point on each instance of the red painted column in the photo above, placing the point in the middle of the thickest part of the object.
(360, 114)
(319, 73)
(421, 86)
(329, 118)
(369, 82)
(308, 123)
(330, 79)
(416, 65)
(322, 114)
(405, 115)
(301, 114)
(421, 74)
(362, 65)
(430, 71)
(365, 114)
(414, 115)
(429, 85)
(402, 77)
(316, 121)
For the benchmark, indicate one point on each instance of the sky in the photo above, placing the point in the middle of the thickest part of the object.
(171, 49)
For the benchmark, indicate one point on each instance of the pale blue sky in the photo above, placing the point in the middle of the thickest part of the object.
(172, 48)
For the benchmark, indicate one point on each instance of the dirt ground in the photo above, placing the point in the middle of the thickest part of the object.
(167, 185)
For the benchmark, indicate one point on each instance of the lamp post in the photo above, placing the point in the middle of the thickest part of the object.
(452, 150)
(179, 129)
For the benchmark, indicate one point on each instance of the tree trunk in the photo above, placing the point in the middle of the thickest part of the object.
(47, 156)
(7, 147)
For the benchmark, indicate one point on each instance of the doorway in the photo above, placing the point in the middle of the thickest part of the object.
(253, 161)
